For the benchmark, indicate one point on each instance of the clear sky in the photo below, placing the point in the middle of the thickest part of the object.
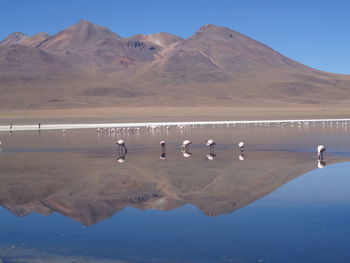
(313, 32)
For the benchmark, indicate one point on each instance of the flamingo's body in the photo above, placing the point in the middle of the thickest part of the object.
(120, 142)
(186, 142)
(211, 142)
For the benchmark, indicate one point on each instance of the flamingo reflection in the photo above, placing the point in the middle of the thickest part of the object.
(121, 157)
(241, 157)
(210, 156)
(321, 163)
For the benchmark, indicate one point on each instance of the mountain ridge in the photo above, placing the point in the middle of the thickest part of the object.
(215, 66)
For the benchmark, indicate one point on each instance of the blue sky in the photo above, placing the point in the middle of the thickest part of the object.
(312, 32)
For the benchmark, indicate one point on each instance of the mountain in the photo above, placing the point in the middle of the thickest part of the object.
(89, 65)
(79, 36)
(98, 47)
(161, 40)
(23, 63)
(18, 38)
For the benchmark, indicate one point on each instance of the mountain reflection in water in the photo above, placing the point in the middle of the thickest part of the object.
(92, 186)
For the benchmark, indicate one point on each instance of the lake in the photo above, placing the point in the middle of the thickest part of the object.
(75, 197)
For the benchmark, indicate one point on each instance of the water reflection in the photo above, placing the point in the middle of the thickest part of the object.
(321, 163)
(241, 157)
(122, 155)
(186, 153)
(87, 187)
(210, 156)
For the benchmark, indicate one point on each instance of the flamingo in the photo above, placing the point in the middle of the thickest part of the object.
(121, 145)
(185, 148)
(186, 144)
(211, 143)
(241, 146)
(320, 150)
(163, 153)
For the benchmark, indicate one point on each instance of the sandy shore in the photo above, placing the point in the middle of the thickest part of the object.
(168, 114)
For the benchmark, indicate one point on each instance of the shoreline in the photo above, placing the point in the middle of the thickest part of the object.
(71, 126)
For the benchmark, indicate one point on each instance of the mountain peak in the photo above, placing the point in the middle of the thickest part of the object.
(18, 38)
(214, 29)
(82, 21)
(208, 27)
(81, 34)
(13, 39)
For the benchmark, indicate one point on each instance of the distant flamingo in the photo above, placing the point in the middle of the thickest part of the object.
(320, 150)
(186, 144)
(211, 143)
(163, 153)
(241, 146)
(121, 145)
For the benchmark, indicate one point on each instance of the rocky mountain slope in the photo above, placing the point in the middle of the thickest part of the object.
(89, 65)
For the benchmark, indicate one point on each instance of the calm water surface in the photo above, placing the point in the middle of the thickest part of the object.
(67, 198)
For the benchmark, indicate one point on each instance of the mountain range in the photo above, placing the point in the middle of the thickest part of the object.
(88, 65)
